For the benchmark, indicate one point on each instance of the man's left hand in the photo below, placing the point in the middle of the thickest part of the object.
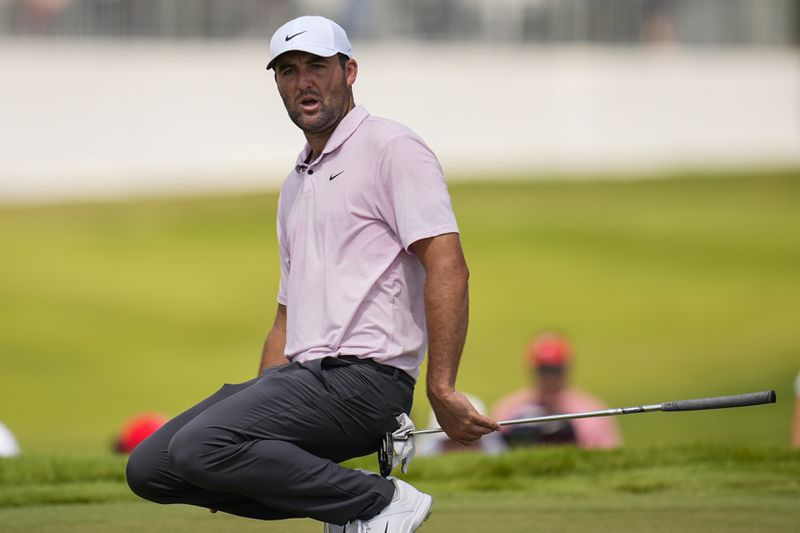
(459, 419)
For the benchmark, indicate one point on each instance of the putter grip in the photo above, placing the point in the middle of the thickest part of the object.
(721, 402)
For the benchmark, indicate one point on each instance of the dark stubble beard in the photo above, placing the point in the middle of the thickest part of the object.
(330, 113)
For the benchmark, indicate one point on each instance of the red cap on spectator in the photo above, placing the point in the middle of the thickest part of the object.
(137, 429)
(549, 349)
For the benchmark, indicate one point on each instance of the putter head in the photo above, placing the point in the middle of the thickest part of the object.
(386, 455)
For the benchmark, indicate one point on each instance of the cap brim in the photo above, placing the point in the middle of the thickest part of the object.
(321, 51)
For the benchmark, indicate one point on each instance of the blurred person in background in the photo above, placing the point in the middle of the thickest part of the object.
(796, 428)
(372, 275)
(9, 447)
(135, 430)
(36, 16)
(549, 357)
(439, 443)
(659, 26)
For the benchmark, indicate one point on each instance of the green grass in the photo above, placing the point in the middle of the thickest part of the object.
(669, 488)
(669, 288)
(476, 514)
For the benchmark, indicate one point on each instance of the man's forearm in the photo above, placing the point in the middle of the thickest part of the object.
(273, 353)
(447, 305)
(447, 314)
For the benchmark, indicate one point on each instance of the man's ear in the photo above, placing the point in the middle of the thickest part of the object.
(351, 71)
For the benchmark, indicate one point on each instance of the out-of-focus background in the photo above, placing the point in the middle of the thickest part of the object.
(625, 171)
(109, 97)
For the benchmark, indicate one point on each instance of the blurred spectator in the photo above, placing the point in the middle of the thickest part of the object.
(796, 429)
(8, 444)
(38, 16)
(550, 357)
(438, 443)
(136, 429)
(659, 26)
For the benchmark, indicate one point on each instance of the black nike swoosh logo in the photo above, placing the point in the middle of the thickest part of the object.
(386, 529)
(290, 37)
(334, 175)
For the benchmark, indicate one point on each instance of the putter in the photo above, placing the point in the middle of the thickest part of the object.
(386, 449)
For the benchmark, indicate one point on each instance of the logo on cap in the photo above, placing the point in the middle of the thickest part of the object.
(290, 37)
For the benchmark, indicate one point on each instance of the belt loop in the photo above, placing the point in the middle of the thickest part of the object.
(315, 366)
(396, 374)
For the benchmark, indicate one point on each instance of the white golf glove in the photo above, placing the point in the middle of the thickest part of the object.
(403, 443)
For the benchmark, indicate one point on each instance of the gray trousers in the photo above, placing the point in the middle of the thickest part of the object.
(269, 448)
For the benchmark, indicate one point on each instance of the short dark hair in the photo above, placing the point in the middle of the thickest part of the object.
(343, 59)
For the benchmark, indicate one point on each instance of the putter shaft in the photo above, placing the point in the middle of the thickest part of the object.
(718, 402)
(567, 416)
(386, 449)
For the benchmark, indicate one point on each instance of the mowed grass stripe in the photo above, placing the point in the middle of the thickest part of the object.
(491, 512)
(40, 479)
(664, 489)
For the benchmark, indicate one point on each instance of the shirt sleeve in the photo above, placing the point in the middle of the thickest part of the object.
(412, 193)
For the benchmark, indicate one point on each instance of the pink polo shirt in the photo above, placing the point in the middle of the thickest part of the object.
(346, 221)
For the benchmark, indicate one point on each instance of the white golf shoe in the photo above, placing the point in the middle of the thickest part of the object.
(407, 511)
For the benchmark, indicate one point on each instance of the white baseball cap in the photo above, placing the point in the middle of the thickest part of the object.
(312, 34)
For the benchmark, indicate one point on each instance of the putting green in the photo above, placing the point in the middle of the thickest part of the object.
(479, 514)
(663, 489)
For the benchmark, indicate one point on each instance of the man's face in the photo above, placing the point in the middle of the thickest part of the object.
(315, 90)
